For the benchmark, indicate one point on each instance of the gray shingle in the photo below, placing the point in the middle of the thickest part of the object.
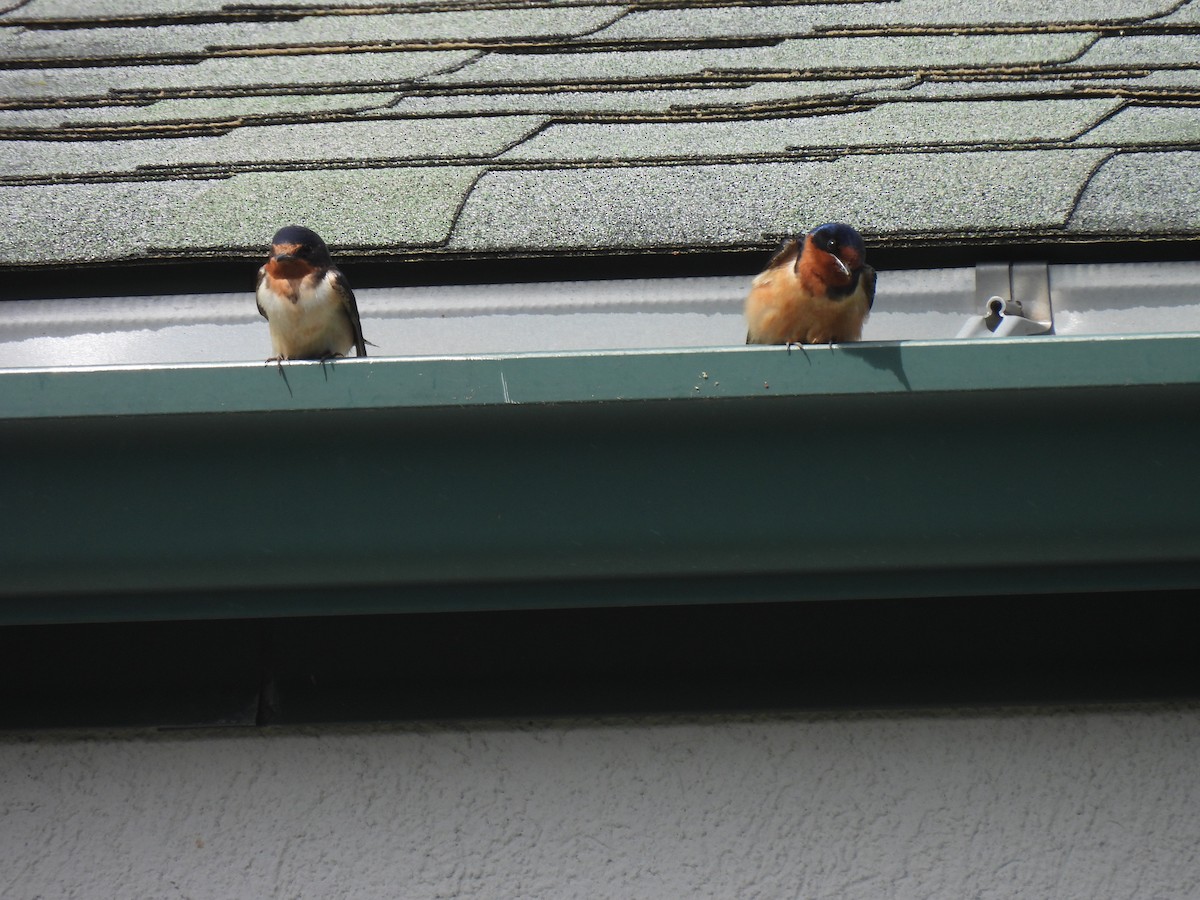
(104, 9)
(288, 144)
(24, 44)
(272, 72)
(408, 207)
(109, 9)
(1142, 193)
(1141, 125)
(96, 9)
(750, 21)
(1069, 85)
(164, 40)
(90, 222)
(214, 109)
(867, 54)
(79, 223)
(981, 89)
(895, 124)
(1188, 79)
(667, 135)
(633, 102)
(1142, 51)
(697, 206)
(1188, 14)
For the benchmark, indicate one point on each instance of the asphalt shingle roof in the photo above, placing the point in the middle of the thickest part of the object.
(144, 131)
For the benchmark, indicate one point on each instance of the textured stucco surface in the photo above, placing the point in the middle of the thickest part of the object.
(1097, 804)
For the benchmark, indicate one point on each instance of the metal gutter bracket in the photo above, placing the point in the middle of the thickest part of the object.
(1015, 298)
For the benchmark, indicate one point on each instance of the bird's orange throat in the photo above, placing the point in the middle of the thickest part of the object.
(287, 288)
(288, 269)
(819, 271)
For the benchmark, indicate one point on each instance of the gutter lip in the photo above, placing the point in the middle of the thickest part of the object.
(612, 376)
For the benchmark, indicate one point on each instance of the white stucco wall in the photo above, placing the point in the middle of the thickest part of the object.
(1096, 804)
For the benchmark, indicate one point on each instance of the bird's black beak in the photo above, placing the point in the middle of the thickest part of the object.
(283, 257)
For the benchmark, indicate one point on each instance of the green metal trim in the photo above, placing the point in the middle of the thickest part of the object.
(741, 372)
(969, 468)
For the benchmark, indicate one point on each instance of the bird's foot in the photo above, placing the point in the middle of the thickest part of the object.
(799, 346)
(328, 358)
(278, 360)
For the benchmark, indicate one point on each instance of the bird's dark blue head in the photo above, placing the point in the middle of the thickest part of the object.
(295, 242)
(842, 240)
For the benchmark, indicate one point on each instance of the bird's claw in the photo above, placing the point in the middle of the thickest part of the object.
(799, 345)
(278, 360)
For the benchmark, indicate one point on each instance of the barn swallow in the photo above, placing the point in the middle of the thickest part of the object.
(814, 290)
(309, 307)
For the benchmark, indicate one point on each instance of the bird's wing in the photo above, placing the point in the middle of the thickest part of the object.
(788, 249)
(262, 273)
(341, 287)
(868, 278)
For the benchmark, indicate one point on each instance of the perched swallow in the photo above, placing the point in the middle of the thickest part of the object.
(813, 291)
(309, 307)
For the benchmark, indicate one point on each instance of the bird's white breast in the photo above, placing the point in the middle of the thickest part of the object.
(312, 325)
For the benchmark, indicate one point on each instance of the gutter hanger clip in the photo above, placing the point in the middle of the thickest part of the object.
(1015, 298)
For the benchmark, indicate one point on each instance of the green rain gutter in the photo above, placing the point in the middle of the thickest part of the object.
(957, 468)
